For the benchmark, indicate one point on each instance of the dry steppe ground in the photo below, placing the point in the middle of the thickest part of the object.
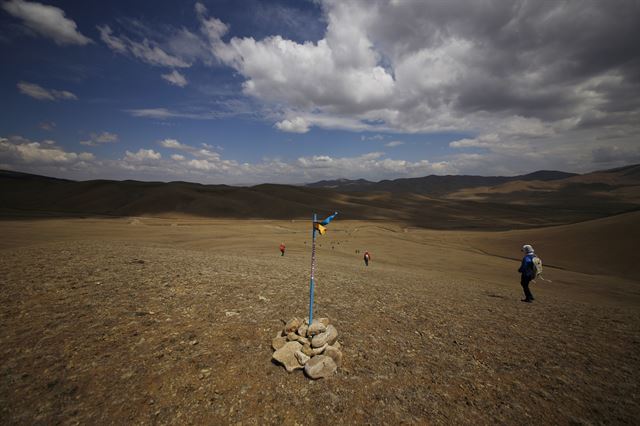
(169, 321)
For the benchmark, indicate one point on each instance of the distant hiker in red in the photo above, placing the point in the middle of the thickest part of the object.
(367, 258)
(282, 247)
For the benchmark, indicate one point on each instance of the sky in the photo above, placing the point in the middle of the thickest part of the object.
(247, 91)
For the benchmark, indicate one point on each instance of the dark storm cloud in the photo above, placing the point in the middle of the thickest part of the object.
(528, 57)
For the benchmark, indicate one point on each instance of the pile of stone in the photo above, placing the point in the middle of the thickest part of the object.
(314, 347)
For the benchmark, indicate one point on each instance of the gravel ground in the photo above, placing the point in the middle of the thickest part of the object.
(119, 331)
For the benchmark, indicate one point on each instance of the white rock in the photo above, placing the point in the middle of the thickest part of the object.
(286, 356)
(320, 366)
(292, 325)
(302, 330)
(320, 339)
(316, 328)
(302, 358)
(293, 337)
(332, 334)
(306, 349)
(335, 354)
(278, 342)
(318, 351)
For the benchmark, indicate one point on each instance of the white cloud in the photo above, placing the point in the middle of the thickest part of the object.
(97, 139)
(372, 165)
(372, 138)
(485, 141)
(197, 163)
(48, 21)
(294, 125)
(175, 78)
(393, 144)
(202, 153)
(20, 150)
(225, 110)
(145, 50)
(114, 43)
(213, 28)
(160, 113)
(173, 144)
(142, 155)
(40, 93)
(433, 66)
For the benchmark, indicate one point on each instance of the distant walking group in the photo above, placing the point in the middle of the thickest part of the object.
(367, 255)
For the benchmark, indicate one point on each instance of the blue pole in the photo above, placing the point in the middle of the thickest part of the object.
(313, 268)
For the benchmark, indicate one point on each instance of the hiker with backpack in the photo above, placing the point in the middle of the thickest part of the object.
(367, 258)
(282, 249)
(528, 271)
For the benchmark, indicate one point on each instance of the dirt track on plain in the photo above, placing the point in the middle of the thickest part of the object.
(170, 321)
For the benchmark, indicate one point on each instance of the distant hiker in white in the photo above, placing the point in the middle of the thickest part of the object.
(527, 271)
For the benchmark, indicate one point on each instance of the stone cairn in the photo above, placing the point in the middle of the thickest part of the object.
(314, 347)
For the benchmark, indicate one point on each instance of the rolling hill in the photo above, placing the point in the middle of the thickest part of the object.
(439, 202)
(434, 184)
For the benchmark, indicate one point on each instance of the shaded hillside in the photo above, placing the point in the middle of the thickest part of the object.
(597, 191)
(434, 184)
(514, 204)
(602, 246)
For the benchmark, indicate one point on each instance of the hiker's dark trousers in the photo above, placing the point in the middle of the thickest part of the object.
(524, 282)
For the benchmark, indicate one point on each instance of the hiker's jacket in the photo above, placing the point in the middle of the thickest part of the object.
(526, 268)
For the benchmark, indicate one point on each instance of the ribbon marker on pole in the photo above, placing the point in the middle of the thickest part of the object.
(321, 228)
(313, 268)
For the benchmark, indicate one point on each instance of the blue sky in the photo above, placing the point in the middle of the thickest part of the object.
(245, 92)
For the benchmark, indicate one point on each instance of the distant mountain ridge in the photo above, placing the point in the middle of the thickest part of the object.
(542, 198)
(434, 184)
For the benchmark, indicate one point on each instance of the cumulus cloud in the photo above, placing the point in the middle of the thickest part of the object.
(175, 78)
(38, 92)
(206, 152)
(517, 71)
(102, 138)
(173, 144)
(485, 141)
(373, 165)
(295, 125)
(340, 72)
(142, 155)
(18, 150)
(47, 21)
